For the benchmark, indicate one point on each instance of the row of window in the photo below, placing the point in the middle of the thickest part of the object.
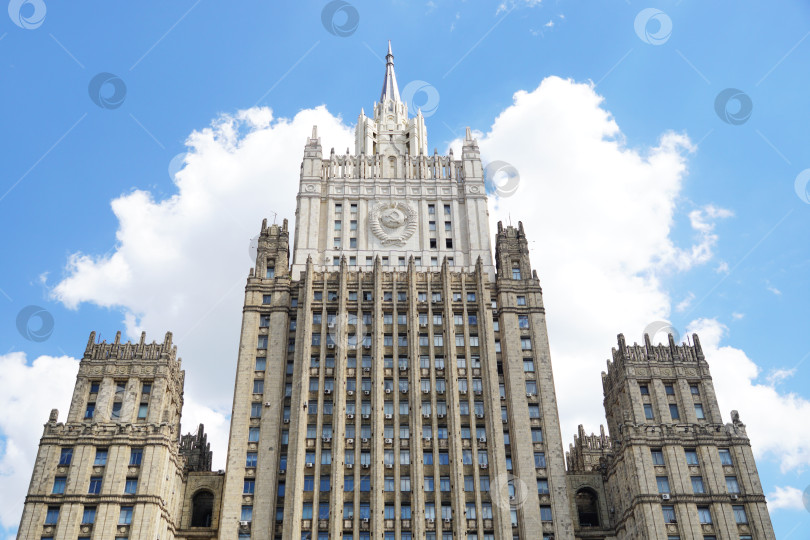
(732, 485)
(120, 389)
(388, 318)
(692, 456)
(705, 514)
(669, 389)
(674, 412)
(388, 296)
(402, 341)
(89, 515)
(100, 460)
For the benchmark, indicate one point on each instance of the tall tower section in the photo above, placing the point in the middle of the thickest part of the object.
(391, 197)
(677, 471)
(112, 468)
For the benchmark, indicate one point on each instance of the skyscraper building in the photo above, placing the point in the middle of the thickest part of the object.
(394, 381)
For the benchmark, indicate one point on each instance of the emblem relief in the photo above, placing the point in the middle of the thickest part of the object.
(393, 223)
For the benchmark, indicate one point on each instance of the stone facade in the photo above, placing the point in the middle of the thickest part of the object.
(394, 381)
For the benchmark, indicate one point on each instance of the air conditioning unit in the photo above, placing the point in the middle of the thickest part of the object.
(423, 324)
(389, 441)
(440, 391)
(734, 496)
(366, 416)
(366, 345)
(310, 465)
(350, 392)
(350, 416)
(331, 324)
(267, 403)
(479, 415)
(365, 465)
(387, 390)
(425, 390)
(427, 439)
(286, 420)
(327, 439)
(367, 392)
(403, 390)
(389, 465)
(482, 439)
(327, 391)
(330, 346)
(511, 497)
(244, 523)
(462, 392)
(447, 520)
(282, 471)
(403, 368)
(484, 465)
(431, 521)
(365, 520)
(503, 398)
(366, 370)
(352, 346)
(389, 416)
(425, 415)
(665, 496)
(364, 439)
(349, 441)
(440, 415)
(349, 465)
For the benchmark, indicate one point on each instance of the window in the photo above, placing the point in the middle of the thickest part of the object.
(528, 365)
(143, 408)
(697, 485)
(101, 457)
(523, 321)
(515, 271)
(704, 515)
(89, 515)
(66, 456)
(446, 209)
(648, 411)
(694, 389)
(125, 517)
(537, 435)
(669, 514)
(542, 486)
(725, 457)
(521, 300)
(258, 386)
(448, 243)
(89, 411)
(669, 390)
(255, 410)
(261, 342)
(338, 225)
(247, 511)
(691, 456)
(699, 411)
(663, 484)
(261, 363)
(732, 485)
(526, 343)
(431, 209)
(739, 514)
(545, 513)
(644, 389)
(59, 485)
(95, 485)
(673, 411)
(540, 460)
(534, 410)
(253, 434)
(135, 457)
(52, 516)
(267, 298)
(338, 208)
(657, 456)
(251, 459)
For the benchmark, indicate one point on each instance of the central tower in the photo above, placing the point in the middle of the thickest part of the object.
(390, 198)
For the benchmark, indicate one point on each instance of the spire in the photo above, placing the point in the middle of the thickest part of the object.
(389, 89)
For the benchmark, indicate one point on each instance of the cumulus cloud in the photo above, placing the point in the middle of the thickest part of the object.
(27, 395)
(785, 498)
(771, 417)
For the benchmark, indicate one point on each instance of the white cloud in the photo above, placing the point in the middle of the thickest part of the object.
(722, 268)
(776, 376)
(684, 304)
(737, 316)
(785, 498)
(772, 289)
(771, 417)
(27, 395)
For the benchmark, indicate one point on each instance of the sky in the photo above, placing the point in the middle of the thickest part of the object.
(659, 156)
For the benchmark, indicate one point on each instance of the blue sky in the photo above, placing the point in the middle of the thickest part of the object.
(188, 64)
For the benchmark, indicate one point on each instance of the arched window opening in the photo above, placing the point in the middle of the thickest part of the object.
(587, 508)
(202, 509)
